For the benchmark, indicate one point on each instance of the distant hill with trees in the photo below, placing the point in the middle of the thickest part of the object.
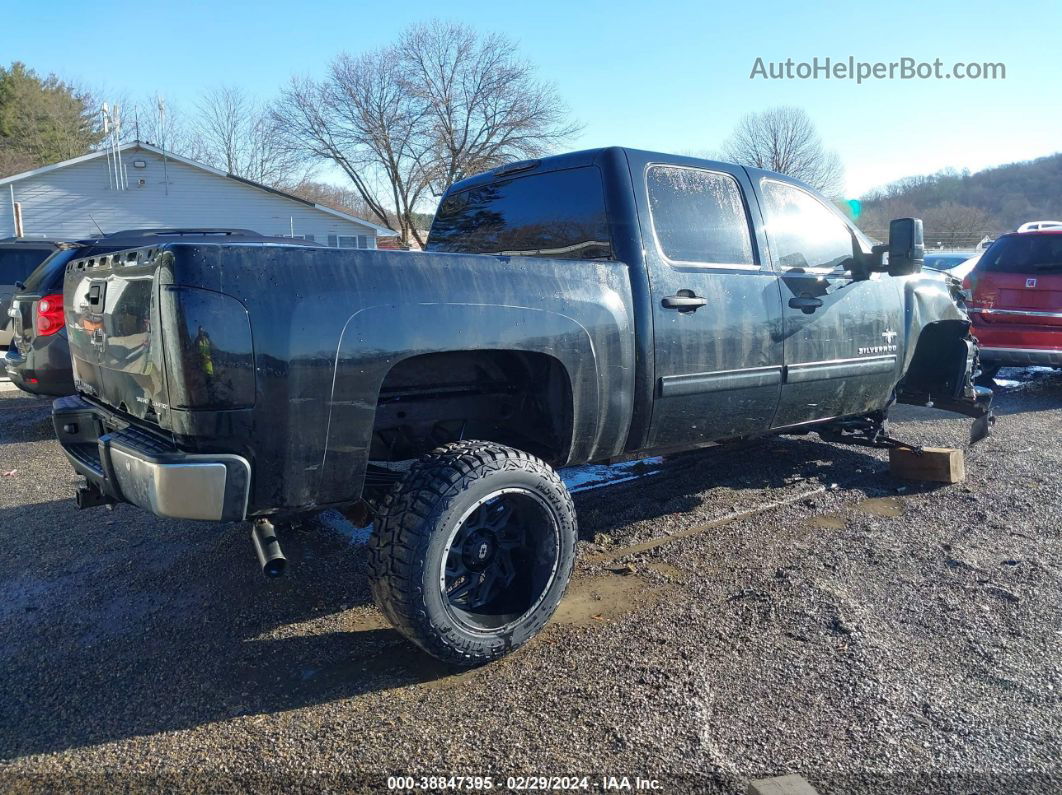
(959, 208)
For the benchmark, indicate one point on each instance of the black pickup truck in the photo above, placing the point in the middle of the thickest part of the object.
(572, 309)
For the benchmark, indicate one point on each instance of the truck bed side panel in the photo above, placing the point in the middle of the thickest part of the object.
(329, 324)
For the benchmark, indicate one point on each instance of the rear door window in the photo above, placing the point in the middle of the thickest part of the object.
(48, 276)
(18, 263)
(1026, 253)
(802, 231)
(699, 217)
(559, 214)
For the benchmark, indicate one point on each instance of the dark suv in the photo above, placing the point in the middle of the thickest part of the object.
(38, 359)
(18, 257)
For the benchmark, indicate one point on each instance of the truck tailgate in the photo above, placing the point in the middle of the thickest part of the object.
(112, 314)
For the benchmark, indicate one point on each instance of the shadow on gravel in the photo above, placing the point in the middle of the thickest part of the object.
(779, 465)
(1018, 391)
(115, 624)
(25, 419)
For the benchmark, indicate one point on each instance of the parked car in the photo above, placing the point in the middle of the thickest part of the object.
(38, 359)
(18, 257)
(1035, 226)
(946, 260)
(954, 263)
(1016, 301)
(568, 310)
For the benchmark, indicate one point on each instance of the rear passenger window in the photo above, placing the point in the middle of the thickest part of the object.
(558, 214)
(699, 216)
(18, 263)
(802, 231)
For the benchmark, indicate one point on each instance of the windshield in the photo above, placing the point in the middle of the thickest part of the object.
(1026, 253)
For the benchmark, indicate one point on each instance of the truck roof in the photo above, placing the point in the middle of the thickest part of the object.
(586, 157)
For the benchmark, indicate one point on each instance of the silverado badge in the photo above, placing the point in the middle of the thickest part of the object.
(889, 347)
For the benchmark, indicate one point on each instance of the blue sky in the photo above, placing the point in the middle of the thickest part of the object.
(672, 76)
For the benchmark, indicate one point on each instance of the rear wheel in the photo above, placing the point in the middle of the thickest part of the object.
(473, 551)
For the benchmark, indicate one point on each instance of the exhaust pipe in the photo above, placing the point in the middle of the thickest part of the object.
(267, 547)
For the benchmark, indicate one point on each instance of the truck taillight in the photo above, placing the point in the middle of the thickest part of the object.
(50, 314)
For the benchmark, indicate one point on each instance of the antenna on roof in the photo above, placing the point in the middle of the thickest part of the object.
(112, 130)
(123, 177)
(102, 233)
(104, 112)
(162, 143)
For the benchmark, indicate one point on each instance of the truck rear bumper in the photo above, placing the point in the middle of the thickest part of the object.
(1022, 357)
(128, 464)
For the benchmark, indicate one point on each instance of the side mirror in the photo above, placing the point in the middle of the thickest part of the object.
(906, 246)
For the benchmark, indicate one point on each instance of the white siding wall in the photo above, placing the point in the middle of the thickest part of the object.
(64, 203)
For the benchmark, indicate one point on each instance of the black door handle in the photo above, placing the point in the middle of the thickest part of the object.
(683, 303)
(805, 303)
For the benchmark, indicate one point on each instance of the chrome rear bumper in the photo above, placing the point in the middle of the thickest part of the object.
(131, 465)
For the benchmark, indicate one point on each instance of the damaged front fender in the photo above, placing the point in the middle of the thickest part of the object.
(941, 357)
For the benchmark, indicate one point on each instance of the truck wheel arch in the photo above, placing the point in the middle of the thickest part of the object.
(381, 341)
(486, 394)
(937, 362)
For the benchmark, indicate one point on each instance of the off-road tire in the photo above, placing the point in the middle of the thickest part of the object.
(416, 520)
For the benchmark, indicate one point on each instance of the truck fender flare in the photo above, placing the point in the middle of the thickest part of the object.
(376, 338)
(927, 302)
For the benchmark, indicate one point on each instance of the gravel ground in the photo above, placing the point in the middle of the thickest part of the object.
(736, 614)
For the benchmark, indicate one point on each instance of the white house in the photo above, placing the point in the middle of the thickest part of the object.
(151, 188)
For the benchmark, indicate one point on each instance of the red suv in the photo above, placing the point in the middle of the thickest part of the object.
(1016, 301)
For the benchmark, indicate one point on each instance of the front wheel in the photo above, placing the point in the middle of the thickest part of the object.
(473, 551)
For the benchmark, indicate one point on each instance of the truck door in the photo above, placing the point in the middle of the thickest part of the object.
(716, 305)
(842, 335)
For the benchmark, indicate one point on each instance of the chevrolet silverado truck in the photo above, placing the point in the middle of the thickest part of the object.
(579, 308)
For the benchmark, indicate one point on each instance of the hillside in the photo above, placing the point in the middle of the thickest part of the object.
(962, 205)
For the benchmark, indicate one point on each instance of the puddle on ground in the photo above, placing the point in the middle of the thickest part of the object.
(591, 600)
(669, 571)
(881, 506)
(829, 521)
(888, 507)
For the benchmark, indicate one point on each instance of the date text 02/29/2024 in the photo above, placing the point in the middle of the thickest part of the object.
(523, 783)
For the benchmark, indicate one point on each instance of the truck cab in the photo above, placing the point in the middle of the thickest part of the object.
(758, 305)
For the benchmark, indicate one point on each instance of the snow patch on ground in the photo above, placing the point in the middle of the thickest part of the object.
(592, 476)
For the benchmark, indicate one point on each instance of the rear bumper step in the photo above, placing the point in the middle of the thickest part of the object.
(132, 465)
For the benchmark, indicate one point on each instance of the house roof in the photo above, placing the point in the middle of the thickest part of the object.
(381, 231)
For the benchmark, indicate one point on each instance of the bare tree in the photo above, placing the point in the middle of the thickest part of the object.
(342, 199)
(784, 139)
(483, 104)
(234, 133)
(956, 224)
(159, 121)
(362, 119)
(404, 122)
